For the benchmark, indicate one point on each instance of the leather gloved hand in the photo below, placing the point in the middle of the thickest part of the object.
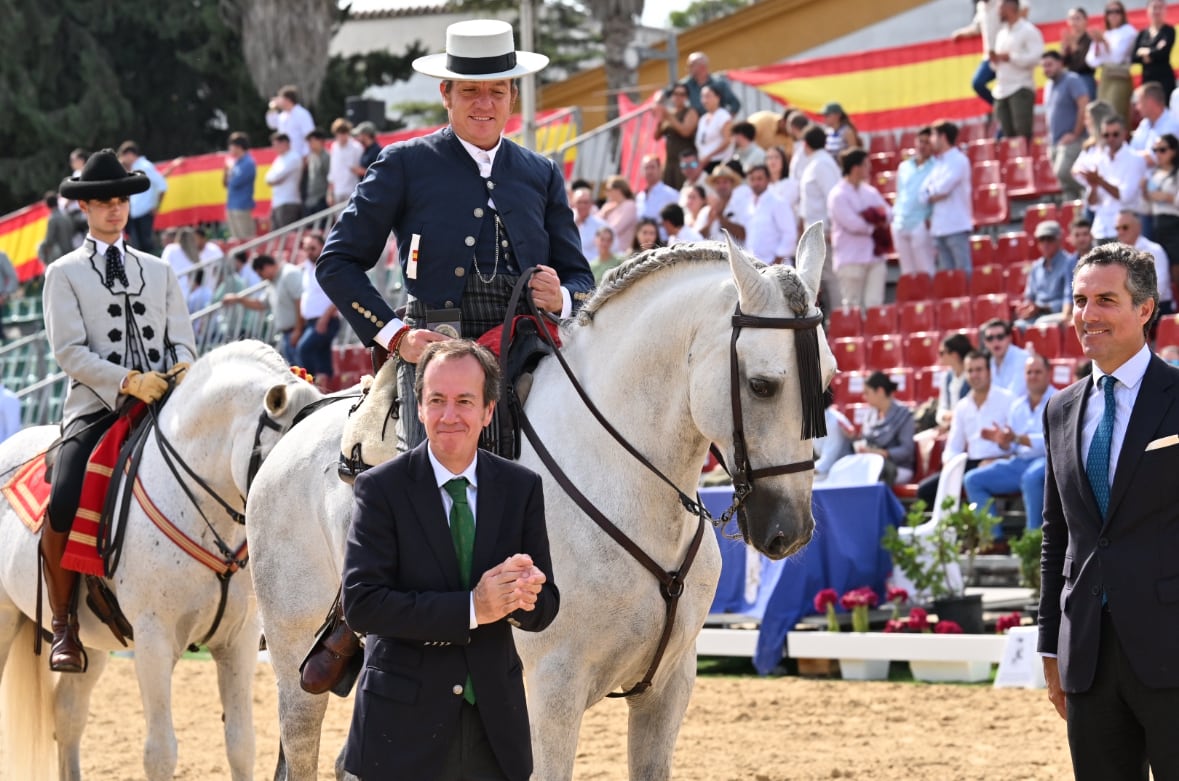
(148, 387)
(178, 372)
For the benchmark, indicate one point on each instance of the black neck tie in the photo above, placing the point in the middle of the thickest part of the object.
(114, 267)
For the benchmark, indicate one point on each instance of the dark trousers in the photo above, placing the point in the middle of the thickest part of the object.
(315, 349)
(471, 757)
(927, 488)
(79, 439)
(1120, 725)
(141, 233)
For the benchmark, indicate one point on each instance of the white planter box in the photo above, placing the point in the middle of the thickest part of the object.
(902, 647)
(864, 669)
(942, 672)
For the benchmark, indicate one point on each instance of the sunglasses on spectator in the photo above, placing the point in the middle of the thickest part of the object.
(693, 164)
(994, 337)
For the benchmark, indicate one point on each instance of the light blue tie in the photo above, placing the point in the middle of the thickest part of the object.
(1097, 464)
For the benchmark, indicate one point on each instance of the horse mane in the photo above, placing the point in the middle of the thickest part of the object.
(648, 262)
(250, 352)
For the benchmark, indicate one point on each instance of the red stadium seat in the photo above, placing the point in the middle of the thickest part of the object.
(1069, 211)
(849, 353)
(1070, 345)
(1011, 248)
(914, 287)
(1168, 331)
(1037, 213)
(991, 306)
(1045, 177)
(841, 390)
(1009, 148)
(917, 316)
(987, 171)
(908, 138)
(1020, 177)
(971, 131)
(953, 313)
(971, 334)
(1017, 279)
(903, 379)
(884, 352)
(883, 161)
(925, 383)
(844, 323)
(880, 320)
(987, 280)
(921, 348)
(885, 181)
(1044, 340)
(981, 151)
(882, 141)
(982, 250)
(1039, 126)
(990, 205)
(1063, 371)
(949, 283)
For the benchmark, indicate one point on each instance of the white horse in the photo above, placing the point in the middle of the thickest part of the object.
(235, 401)
(652, 350)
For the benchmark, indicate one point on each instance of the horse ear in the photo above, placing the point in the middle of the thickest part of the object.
(276, 400)
(751, 290)
(811, 255)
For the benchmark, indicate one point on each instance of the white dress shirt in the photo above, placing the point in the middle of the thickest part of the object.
(950, 177)
(1162, 266)
(296, 123)
(283, 178)
(970, 419)
(1129, 376)
(342, 158)
(442, 476)
(1029, 420)
(651, 201)
(1025, 44)
(1125, 171)
(772, 230)
(1115, 50)
(818, 179)
(1010, 375)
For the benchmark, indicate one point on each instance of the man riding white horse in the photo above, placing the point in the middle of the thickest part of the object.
(118, 325)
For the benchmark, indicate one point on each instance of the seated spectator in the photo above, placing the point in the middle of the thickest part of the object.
(588, 224)
(1007, 360)
(986, 405)
(857, 212)
(1024, 437)
(745, 150)
(1081, 237)
(1129, 230)
(952, 355)
(620, 212)
(1157, 120)
(1050, 280)
(729, 203)
(673, 225)
(655, 194)
(888, 430)
(646, 235)
(606, 258)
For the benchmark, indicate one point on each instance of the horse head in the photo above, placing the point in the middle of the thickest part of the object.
(769, 392)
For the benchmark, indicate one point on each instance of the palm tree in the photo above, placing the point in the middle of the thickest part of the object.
(618, 31)
(285, 41)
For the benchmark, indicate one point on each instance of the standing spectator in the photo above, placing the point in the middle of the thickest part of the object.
(1074, 45)
(287, 116)
(985, 24)
(319, 320)
(604, 257)
(699, 77)
(1048, 281)
(856, 210)
(620, 211)
(772, 232)
(796, 126)
(672, 218)
(910, 217)
(1007, 360)
(284, 292)
(366, 134)
(1023, 436)
(657, 194)
(728, 204)
(676, 123)
(1130, 232)
(713, 131)
(587, 222)
(1113, 178)
(947, 190)
(745, 151)
(1094, 145)
(239, 177)
(1111, 51)
(344, 169)
(1152, 49)
(646, 235)
(59, 232)
(1162, 194)
(286, 206)
(1157, 120)
(818, 179)
(1065, 100)
(144, 205)
(1017, 51)
(315, 172)
(841, 133)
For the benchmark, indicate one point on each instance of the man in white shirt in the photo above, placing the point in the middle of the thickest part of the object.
(1113, 179)
(672, 222)
(1129, 229)
(1018, 47)
(286, 115)
(284, 292)
(649, 201)
(986, 24)
(985, 406)
(947, 189)
(318, 317)
(1157, 120)
(772, 232)
(286, 204)
(588, 223)
(1007, 360)
(343, 162)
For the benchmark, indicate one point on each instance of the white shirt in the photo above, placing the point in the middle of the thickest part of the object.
(772, 230)
(1010, 376)
(1025, 44)
(649, 202)
(710, 136)
(296, 123)
(314, 302)
(442, 476)
(1125, 171)
(687, 233)
(283, 178)
(970, 419)
(1115, 50)
(588, 231)
(1162, 266)
(174, 256)
(1029, 420)
(820, 176)
(342, 158)
(1129, 376)
(950, 177)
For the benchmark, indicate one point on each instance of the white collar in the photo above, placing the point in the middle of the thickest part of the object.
(442, 475)
(101, 246)
(475, 151)
(1129, 373)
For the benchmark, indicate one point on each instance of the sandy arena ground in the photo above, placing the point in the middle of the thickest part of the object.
(738, 728)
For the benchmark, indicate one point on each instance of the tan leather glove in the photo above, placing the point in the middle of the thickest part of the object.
(178, 372)
(147, 387)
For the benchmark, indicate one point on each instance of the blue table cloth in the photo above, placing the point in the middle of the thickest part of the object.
(845, 553)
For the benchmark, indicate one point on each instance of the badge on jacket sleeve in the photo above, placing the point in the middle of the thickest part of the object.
(411, 270)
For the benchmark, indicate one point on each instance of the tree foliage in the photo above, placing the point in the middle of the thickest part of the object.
(702, 11)
(287, 41)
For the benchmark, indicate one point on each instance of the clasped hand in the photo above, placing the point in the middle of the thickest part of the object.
(508, 587)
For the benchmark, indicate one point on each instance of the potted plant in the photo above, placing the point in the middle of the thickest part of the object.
(1027, 548)
(930, 557)
(858, 602)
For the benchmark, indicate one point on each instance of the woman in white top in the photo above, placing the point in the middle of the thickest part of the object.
(1162, 192)
(696, 207)
(1111, 51)
(713, 129)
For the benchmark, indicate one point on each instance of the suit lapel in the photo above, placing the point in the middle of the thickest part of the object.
(1151, 406)
(1074, 415)
(429, 512)
(489, 515)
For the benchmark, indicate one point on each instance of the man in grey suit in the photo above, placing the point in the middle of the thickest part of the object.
(446, 553)
(1109, 609)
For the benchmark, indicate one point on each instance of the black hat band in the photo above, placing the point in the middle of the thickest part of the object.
(480, 66)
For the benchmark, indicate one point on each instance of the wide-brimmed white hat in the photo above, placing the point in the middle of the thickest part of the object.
(480, 50)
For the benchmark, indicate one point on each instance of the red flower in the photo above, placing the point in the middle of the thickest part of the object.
(947, 627)
(896, 595)
(1009, 621)
(918, 620)
(859, 597)
(824, 598)
(895, 625)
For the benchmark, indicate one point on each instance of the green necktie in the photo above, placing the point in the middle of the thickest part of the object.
(462, 533)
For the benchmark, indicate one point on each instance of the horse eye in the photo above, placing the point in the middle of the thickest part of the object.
(762, 388)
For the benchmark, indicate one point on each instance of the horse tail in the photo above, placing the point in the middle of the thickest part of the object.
(26, 711)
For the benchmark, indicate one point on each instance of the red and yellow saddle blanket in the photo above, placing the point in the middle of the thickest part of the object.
(28, 493)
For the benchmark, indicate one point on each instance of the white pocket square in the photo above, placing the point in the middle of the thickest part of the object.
(1163, 442)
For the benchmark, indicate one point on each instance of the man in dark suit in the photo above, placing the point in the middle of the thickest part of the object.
(1109, 610)
(470, 209)
(441, 696)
